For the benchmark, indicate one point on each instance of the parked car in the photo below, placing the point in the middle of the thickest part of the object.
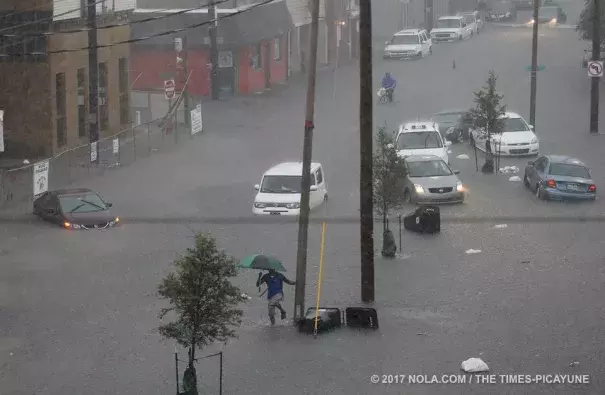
(452, 125)
(516, 137)
(279, 190)
(451, 28)
(430, 180)
(472, 20)
(550, 15)
(501, 11)
(421, 138)
(559, 177)
(408, 44)
(77, 208)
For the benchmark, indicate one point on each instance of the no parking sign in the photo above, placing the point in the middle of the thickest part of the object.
(595, 68)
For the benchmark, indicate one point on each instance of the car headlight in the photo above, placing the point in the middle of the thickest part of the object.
(293, 205)
(115, 221)
(69, 225)
(459, 187)
(534, 141)
(418, 188)
(259, 205)
(553, 20)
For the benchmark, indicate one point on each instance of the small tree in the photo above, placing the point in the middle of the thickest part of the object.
(584, 26)
(488, 114)
(389, 170)
(203, 299)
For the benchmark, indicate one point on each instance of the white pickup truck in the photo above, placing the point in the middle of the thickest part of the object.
(451, 28)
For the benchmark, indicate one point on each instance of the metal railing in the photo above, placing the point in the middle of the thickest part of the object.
(74, 164)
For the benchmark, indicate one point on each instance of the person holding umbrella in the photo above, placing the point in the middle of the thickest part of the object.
(274, 280)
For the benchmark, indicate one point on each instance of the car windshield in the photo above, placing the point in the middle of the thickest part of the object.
(567, 170)
(447, 24)
(419, 140)
(547, 12)
(447, 117)
(429, 168)
(408, 39)
(281, 184)
(515, 125)
(84, 203)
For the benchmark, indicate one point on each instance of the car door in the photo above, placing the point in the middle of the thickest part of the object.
(313, 194)
(424, 43)
(321, 183)
(538, 171)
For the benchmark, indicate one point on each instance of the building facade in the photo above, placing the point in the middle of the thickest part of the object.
(44, 83)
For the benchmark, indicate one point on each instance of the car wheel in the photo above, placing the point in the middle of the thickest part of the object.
(526, 181)
(460, 37)
(539, 193)
(430, 50)
(326, 197)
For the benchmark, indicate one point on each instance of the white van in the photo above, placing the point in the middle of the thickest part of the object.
(421, 138)
(279, 190)
(450, 28)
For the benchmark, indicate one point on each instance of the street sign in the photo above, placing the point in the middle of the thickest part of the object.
(116, 146)
(178, 44)
(94, 151)
(538, 68)
(169, 89)
(41, 177)
(595, 68)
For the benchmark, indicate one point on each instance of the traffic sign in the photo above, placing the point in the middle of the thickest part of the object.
(538, 68)
(595, 68)
(169, 89)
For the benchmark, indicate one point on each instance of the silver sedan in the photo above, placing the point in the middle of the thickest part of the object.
(431, 180)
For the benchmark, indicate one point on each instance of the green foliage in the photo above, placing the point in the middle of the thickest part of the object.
(488, 112)
(201, 296)
(584, 26)
(388, 172)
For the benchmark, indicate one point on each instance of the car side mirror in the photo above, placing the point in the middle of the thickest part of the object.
(386, 43)
(109, 204)
(313, 188)
(257, 187)
(456, 171)
(531, 163)
(448, 143)
(531, 127)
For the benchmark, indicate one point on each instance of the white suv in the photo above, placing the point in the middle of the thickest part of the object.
(421, 138)
(451, 28)
(409, 43)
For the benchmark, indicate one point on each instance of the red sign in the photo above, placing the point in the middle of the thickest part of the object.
(169, 89)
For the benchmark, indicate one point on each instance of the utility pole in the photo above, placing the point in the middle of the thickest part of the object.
(214, 73)
(185, 73)
(93, 80)
(534, 67)
(303, 218)
(596, 56)
(429, 15)
(366, 198)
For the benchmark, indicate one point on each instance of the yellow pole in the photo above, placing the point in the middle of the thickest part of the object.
(320, 275)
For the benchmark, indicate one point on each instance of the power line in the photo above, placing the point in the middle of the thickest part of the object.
(50, 18)
(161, 34)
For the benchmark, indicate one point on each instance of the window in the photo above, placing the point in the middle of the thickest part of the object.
(60, 99)
(429, 168)
(124, 89)
(81, 90)
(277, 48)
(257, 54)
(320, 176)
(540, 164)
(103, 108)
(281, 184)
(419, 140)
(566, 170)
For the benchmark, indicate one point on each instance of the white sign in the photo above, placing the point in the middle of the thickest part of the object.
(116, 146)
(169, 88)
(178, 44)
(1, 131)
(41, 177)
(225, 59)
(196, 119)
(94, 152)
(595, 68)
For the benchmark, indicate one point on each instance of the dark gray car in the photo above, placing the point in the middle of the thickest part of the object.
(431, 180)
(453, 125)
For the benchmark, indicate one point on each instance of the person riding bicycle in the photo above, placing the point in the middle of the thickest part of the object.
(389, 83)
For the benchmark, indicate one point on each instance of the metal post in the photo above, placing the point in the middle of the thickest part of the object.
(366, 203)
(185, 78)
(176, 370)
(134, 145)
(534, 66)
(399, 220)
(220, 383)
(214, 74)
(93, 77)
(596, 56)
(303, 219)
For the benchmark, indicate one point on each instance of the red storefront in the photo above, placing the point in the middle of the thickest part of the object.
(253, 52)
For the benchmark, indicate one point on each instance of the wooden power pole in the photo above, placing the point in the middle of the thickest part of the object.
(366, 199)
(93, 80)
(214, 72)
(596, 56)
(303, 218)
(534, 67)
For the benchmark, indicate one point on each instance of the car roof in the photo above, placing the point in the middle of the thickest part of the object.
(450, 111)
(289, 169)
(408, 32)
(564, 159)
(422, 158)
(450, 17)
(71, 191)
(417, 126)
(510, 114)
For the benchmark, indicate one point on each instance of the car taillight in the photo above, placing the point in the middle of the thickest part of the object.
(592, 188)
(551, 184)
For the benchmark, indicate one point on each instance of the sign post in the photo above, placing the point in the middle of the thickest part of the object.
(169, 89)
(595, 68)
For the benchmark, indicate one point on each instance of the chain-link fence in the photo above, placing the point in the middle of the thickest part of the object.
(72, 165)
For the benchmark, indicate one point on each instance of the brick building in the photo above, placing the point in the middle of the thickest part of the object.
(43, 91)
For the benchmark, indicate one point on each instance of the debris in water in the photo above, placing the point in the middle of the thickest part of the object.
(509, 169)
(515, 178)
(25, 162)
(471, 251)
(474, 365)
(501, 226)
(462, 156)
(575, 363)
(245, 296)
(422, 334)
